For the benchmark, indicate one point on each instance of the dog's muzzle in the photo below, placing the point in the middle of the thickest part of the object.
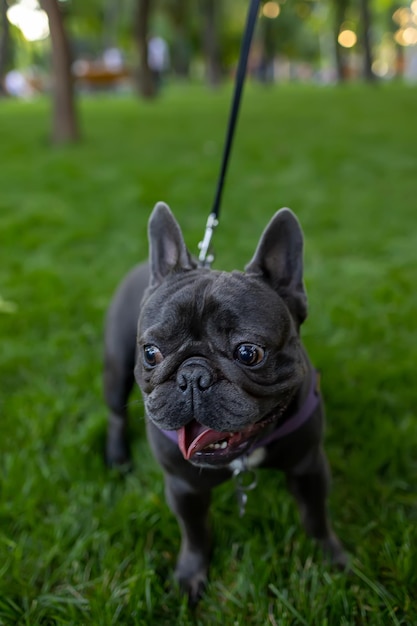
(195, 376)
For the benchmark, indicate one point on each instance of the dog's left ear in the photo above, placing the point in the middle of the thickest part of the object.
(167, 249)
(278, 260)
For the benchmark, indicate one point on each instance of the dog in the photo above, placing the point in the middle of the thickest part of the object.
(226, 382)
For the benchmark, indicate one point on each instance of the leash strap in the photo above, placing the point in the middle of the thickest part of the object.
(205, 258)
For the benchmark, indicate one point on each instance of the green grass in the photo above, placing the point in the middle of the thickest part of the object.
(81, 545)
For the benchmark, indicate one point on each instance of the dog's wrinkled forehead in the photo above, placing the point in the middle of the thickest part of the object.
(200, 302)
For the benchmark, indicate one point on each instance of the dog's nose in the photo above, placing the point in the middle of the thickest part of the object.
(195, 374)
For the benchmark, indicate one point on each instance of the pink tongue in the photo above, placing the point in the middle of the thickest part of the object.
(194, 437)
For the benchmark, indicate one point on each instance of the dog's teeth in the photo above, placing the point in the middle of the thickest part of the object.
(217, 446)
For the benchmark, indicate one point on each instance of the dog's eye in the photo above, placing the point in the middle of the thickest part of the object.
(249, 354)
(152, 355)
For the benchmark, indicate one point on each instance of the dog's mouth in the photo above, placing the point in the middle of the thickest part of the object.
(197, 441)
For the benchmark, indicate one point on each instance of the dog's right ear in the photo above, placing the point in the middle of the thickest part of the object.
(167, 249)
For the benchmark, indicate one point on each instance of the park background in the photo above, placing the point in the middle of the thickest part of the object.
(81, 544)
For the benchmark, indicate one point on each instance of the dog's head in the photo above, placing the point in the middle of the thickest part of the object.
(219, 355)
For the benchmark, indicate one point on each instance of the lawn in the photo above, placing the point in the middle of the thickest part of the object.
(80, 544)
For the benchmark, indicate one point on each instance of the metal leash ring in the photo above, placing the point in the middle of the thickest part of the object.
(246, 481)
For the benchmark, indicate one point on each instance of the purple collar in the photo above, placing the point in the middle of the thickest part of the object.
(292, 423)
(295, 421)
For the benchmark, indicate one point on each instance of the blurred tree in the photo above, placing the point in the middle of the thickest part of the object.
(211, 14)
(364, 19)
(206, 30)
(366, 25)
(290, 35)
(92, 26)
(147, 85)
(5, 44)
(180, 16)
(340, 10)
(64, 118)
(111, 11)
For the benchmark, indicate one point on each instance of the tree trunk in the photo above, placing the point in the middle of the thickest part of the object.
(399, 61)
(64, 118)
(265, 70)
(366, 20)
(146, 81)
(111, 11)
(211, 44)
(179, 15)
(340, 11)
(4, 45)
(181, 52)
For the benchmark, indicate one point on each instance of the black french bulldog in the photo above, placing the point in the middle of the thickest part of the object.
(226, 382)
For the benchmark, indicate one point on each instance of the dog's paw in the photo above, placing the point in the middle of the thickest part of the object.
(193, 587)
(334, 551)
(192, 581)
(117, 453)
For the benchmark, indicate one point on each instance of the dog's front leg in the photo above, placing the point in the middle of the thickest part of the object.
(191, 509)
(118, 382)
(309, 483)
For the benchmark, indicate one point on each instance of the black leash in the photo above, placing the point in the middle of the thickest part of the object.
(206, 256)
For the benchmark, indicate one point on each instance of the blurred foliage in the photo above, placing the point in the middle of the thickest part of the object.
(99, 23)
(304, 30)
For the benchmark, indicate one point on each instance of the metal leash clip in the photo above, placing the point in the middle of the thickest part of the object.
(246, 480)
(204, 257)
